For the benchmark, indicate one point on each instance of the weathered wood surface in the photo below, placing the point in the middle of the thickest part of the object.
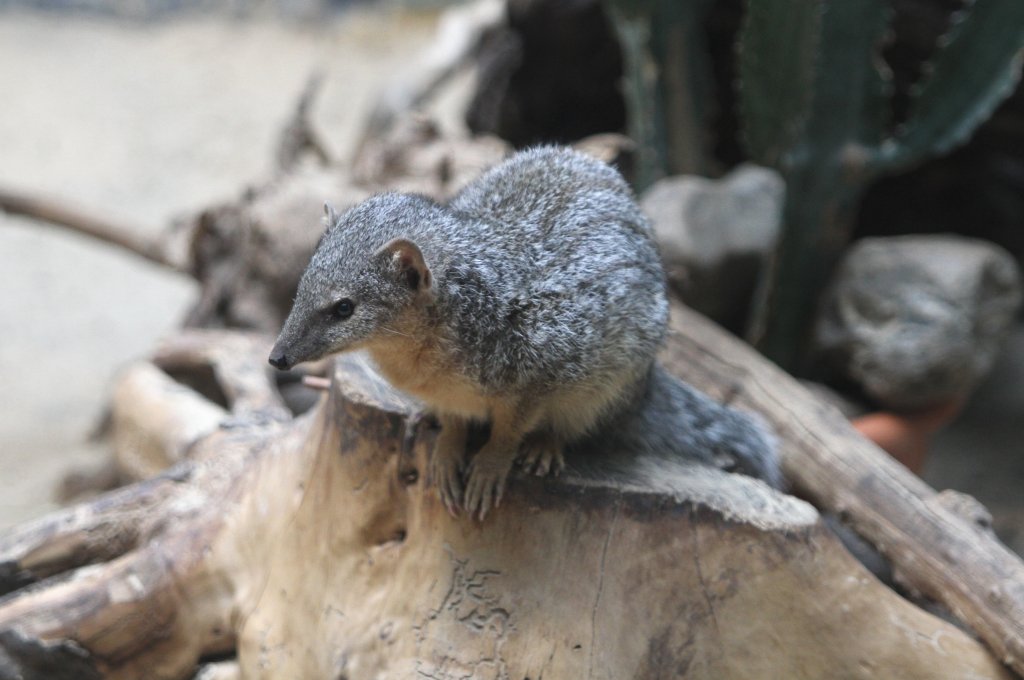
(314, 548)
(935, 551)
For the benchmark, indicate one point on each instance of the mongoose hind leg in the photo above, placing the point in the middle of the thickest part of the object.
(541, 453)
(447, 462)
(488, 470)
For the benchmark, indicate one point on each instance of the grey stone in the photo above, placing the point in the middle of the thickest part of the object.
(714, 236)
(917, 320)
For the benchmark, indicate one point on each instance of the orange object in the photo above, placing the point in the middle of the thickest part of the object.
(907, 436)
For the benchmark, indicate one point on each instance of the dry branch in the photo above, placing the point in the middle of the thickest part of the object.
(156, 422)
(460, 32)
(299, 137)
(238, 363)
(86, 534)
(60, 213)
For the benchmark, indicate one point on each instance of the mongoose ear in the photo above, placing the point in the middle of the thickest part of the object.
(407, 260)
(330, 215)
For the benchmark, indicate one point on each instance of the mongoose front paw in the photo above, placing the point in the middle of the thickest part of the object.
(541, 455)
(446, 465)
(446, 471)
(485, 482)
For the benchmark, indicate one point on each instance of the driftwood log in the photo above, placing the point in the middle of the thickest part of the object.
(312, 547)
(935, 541)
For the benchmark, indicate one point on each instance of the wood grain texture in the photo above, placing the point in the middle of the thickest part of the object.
(933, 550)
(318, 548)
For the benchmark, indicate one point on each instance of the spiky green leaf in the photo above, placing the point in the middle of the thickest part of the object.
(878, 81)
(777, 62)
(644, 108)
(976, 67)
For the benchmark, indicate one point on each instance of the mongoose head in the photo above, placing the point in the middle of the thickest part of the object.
(365, 274)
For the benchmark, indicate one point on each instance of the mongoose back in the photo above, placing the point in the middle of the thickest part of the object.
(534, 300)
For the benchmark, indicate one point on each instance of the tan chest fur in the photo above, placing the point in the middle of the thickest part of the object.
(419, 368)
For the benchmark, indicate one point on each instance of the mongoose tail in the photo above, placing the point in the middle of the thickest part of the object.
(672, 422)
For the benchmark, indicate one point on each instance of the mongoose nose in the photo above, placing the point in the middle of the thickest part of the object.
(279, 361)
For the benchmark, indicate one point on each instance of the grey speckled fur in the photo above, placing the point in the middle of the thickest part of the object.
(539, 286)
(534, 287)
(671, 421)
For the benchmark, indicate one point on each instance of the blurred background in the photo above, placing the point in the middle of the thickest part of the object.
(146, 112)
(771, 147)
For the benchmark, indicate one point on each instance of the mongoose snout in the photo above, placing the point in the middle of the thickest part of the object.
(279, 360)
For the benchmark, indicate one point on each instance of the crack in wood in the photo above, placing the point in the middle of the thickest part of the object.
(600, 587)
(703, 584)
(468, 602)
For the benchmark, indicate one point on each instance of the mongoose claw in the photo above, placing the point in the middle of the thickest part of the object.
(485, 484)
(447, 476)
(542, 456)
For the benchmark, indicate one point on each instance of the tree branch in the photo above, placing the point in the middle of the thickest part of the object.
(83, 222)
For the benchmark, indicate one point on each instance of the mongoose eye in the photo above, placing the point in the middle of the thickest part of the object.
(343, 308)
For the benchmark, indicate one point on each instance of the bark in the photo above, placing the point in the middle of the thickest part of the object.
(314, 547)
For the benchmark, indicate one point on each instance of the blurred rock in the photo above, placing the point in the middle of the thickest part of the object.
(917, 320)
(714, 236)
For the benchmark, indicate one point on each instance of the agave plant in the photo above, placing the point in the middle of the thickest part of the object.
(815, 99)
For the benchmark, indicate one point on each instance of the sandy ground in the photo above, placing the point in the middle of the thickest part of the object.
(147, 121)
(144, 121)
